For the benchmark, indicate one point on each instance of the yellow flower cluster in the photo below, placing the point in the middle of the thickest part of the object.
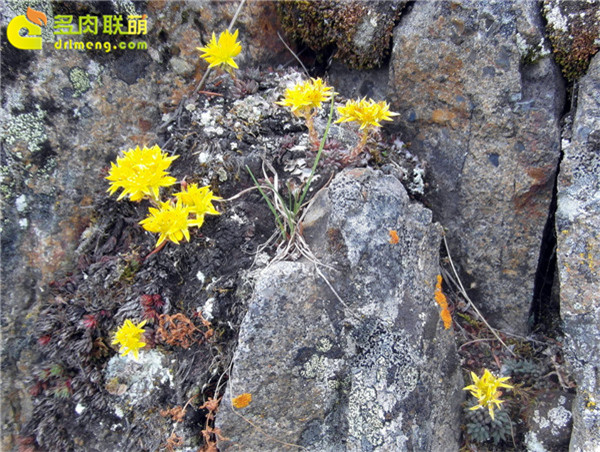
(367, 113)
(141, 173)
(199, 201)
(305, 98)
(129, 337)
(222, 52)
(485, 390)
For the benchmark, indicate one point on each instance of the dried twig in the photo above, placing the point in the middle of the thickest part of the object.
(463, 292)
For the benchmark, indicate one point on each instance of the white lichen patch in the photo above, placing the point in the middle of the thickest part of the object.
(207, 309)
(385, 374)
(417, 183)
(80, 81)
(21, 203)
(211, 120)
(555, 17)
(142, 378)
(365, 32)
(365, 417)
(251, 110)
(324, 344)
(315, 367)
(531, 52)
(26, 127)
(559, 418)
(533, 444)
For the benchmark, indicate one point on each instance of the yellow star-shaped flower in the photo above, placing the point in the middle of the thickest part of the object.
(222, 51)
(170, 221)
(129, 337)
(485, 390)
(305, 97)
(367, 113)
(199, 200)
(141, 173)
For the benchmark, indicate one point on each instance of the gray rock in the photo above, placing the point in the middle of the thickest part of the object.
(480, 101)
(549, 422)
(578, 242)
(375, 371)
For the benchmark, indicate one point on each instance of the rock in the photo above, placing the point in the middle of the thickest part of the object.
(574, 31)
(184, 26)
(371, 370)
(359, 31)
(549, 422)
(578, 251)
(480, 101)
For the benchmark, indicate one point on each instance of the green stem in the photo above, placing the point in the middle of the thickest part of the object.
(316, 162)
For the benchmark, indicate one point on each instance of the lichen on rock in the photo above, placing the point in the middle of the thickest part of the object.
(361, 367)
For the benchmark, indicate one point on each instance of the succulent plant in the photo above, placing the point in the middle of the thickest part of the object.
(481, 427)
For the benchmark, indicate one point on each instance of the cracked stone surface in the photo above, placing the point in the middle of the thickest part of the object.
(480, 100)
(578, 241)
(378, 374)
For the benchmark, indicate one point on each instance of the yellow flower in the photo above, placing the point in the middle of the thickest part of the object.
(170, 221)
(199, 201)
(485, 390)
(223, 51)
(140, 173)
(305, 97)
(242, 401)
(129, 337)
(367, 113)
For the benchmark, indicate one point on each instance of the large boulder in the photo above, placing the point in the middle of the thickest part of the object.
(578, 251)
(367, 367)
(480, 101)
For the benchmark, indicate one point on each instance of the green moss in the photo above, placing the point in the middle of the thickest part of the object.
(26, 127)
(359, 33)
(80, 81)
(574, 30)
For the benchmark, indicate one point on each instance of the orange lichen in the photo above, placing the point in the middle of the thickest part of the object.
(242, 401)
(440, 299)
(394, 237)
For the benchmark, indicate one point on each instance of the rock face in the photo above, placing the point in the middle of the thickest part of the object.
(359, 31)
(480, 101)
(375, 371)
(550, 422)
(577, 226)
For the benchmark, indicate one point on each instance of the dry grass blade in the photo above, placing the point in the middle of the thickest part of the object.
(458, 283)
